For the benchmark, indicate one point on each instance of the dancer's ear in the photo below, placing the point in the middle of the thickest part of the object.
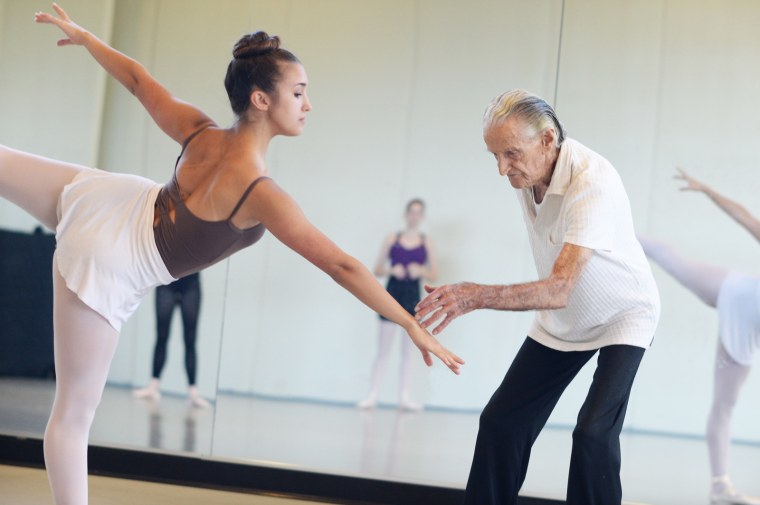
(260, 100)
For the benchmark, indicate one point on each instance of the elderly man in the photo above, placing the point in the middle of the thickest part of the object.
(596, 294)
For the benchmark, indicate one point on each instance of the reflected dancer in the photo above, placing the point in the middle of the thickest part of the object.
(406, 258)
(736, 297)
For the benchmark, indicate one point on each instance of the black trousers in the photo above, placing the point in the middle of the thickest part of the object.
(518, 410)
(185, 293)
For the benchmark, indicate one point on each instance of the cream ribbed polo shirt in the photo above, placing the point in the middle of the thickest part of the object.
(615, 300)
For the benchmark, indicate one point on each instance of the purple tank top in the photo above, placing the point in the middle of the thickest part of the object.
(189, 244)
(403, 256)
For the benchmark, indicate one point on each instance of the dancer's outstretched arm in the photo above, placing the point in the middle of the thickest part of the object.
(284, 219)
(178, 119)
(734, 209)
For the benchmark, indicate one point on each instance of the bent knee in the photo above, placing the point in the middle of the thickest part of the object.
(594, 434)
(503, 424)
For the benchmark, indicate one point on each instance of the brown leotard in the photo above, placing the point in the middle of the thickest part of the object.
(189, 244)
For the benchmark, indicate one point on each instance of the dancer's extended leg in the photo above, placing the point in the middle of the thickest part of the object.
(702, 279)
(84, 346)
(384, 341)
(34, 183)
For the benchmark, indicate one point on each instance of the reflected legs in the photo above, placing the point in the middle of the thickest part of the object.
(729, 377)
(408, 354)
(388, 330)
(185, 293)
(384, 341)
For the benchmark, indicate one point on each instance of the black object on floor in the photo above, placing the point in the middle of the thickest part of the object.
(26, 304)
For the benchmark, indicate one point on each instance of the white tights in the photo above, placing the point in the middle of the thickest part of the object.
(84, 342)
(729, 377)
(388, 330)
(705, 280)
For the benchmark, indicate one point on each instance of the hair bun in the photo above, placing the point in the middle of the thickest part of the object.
(255, 44)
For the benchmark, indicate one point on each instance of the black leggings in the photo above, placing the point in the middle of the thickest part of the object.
(519, 408)
(185, 292)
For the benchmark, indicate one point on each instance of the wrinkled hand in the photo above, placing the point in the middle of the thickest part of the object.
(428, 345)
(451, 301)
(414, 270)
(691, 183)
(75, 34)
(398, 271)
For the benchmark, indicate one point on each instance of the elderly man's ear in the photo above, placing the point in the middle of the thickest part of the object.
(548, 137)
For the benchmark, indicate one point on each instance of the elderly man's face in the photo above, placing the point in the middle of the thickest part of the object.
(525, 158)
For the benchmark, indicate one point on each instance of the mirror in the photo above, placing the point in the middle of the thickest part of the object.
(398, 90)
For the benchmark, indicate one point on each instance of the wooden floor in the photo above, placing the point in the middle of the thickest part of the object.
(29, 486)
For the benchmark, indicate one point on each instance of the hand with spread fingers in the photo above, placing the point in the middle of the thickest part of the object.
(75, 34)
(447, 302)
(691, 183)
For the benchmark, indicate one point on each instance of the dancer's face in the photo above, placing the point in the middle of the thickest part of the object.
(521, 155)
(290, 105)
(415, 215)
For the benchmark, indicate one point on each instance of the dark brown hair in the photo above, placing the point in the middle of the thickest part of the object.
(255, 64)
(413, 202)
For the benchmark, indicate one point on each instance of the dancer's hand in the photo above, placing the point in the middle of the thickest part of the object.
(451, 301)
(691, 183)
(414, 270)
(75, 34)
(398, 271)
(428, 345)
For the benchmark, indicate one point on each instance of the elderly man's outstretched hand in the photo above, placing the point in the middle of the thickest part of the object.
(447, 302)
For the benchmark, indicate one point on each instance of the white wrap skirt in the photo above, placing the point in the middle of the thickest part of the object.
(106, 250)
(739, 316)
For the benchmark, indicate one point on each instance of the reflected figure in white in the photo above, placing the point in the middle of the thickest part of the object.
(120, 235)
(184, 293)
(406, 258)
(736, 296)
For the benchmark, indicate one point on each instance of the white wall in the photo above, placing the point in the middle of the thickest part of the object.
(398, 89)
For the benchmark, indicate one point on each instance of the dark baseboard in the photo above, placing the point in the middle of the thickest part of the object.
(232, 476)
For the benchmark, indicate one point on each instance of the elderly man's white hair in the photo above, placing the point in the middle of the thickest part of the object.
(537, 114)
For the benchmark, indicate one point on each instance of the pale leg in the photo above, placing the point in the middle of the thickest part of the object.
(34, 183)
(84, 346)
(408, 359)
(384, 341)
(702, 279)
(729, 377)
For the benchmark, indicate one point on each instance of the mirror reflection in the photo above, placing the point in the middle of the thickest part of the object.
(398, 90)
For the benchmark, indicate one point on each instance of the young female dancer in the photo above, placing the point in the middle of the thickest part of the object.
(736, 296)
(406, 258)
(121, 235)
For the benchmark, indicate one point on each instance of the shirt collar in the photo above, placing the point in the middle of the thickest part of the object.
(563, 170)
